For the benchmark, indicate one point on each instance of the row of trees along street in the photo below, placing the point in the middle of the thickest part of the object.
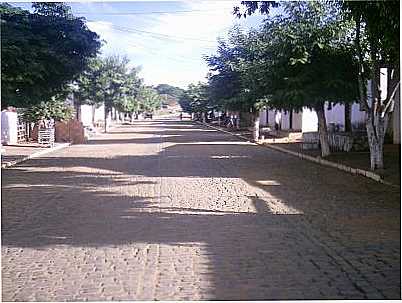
(310, 54)
(49, 54)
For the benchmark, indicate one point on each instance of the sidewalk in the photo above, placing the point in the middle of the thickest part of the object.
(356, 160)
(348, 161)
(14, 154)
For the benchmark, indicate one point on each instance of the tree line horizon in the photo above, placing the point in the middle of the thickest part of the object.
(310, 54)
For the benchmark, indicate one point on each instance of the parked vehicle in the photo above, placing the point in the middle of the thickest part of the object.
(147, 115)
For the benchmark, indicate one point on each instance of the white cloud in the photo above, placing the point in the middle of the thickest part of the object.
(173, 54)
(100, 26)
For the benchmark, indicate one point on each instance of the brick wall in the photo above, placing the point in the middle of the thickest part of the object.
(70, 131)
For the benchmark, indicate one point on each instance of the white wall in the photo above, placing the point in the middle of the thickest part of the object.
(86, 114)
(263, 117)
(357, 116)
(285, 123)
(297, 121)
(271, 118)
(309, 120)
(335, 115)
(9, 127)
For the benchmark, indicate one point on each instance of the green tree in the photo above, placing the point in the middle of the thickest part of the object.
(309, 61)
(377, 43)
(229, 85)
(55, 9)
(54, 109)
(111, 83)
(149, 99)
(41, 53)
(87, 88)
(130, 103)
(196, 100)
(224, 79)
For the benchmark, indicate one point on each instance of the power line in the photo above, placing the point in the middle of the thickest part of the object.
(142, 13)
(156, 52)
(132, 30)
(161, 35)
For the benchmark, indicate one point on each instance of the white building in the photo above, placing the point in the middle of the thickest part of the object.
(306, 120)
(9, 127)
(87, 112)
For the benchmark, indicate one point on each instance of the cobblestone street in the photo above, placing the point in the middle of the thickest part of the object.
(170, 210)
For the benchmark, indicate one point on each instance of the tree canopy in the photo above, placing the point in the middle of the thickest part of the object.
(42, 52)
(196, 99)
(376, 45)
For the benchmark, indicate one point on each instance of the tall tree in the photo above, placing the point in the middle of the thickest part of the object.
(42, 52)
(311, 61)
(196, 100)
(87, 88)
(377, 45)
(112, 82)
(149, 99)
(228, 84)
(129, 103)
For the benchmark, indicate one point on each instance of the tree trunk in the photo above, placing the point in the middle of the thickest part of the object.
(256, 125)
(77, 106)
(322, 130)
(348, 117)
(93, 114)
(376, 129)
(106, 114)
(291, 119)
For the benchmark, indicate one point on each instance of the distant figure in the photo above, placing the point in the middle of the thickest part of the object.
(181, 116)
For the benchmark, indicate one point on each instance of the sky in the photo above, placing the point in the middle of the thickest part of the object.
(166, 39)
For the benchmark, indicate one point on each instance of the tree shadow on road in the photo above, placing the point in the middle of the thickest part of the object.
(268, 234)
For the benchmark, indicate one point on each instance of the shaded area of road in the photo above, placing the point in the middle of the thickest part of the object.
(171, 210)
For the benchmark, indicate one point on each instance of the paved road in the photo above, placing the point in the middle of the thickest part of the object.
(169, 210)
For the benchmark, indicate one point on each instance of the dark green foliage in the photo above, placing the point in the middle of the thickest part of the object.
(301, 58)
(54, 109)
(382, 26)
(41, 52)
(250, 7)
(196, 99)
(311, 59)
(149, 99)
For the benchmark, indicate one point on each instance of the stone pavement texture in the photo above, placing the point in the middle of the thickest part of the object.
(168, 210)
(14, 154)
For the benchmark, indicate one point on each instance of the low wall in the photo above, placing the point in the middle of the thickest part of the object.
(70, 131)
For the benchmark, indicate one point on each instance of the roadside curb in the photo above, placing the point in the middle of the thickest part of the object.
(348, 169)
(225, 131)
(35, 155)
